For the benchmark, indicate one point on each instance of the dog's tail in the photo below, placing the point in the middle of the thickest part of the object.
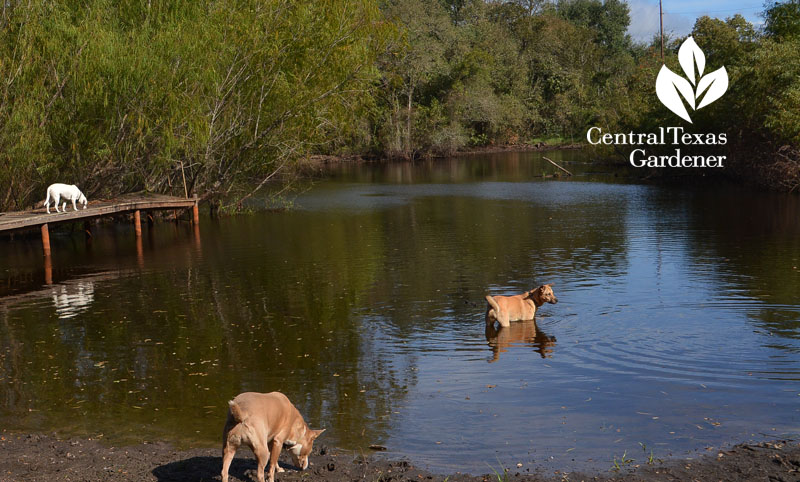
(493, 304)
(236, 412)
(47, 200)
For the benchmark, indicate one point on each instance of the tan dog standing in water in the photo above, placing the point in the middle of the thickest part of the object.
(265, 422)
(505, 309)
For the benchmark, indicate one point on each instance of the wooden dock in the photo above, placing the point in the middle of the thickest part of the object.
(131, 203)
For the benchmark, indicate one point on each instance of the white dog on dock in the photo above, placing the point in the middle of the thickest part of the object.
(67, 193)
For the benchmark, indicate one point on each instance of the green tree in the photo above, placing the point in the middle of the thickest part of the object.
(782, 19)
(608, 19)
(428, 40)
(725, 42)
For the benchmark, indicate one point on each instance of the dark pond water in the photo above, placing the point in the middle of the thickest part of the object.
(678, 326)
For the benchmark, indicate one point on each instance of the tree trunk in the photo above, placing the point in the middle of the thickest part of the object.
(408, 123)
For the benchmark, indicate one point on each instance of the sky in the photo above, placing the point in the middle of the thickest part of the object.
(680, 15)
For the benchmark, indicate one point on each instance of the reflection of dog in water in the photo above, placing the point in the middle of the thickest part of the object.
(523, 333)
(504, 309)
(71, 299)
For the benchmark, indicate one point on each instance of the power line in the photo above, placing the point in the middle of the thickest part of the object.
(716, 11)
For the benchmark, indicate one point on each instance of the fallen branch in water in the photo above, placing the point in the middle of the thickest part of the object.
(553, 163)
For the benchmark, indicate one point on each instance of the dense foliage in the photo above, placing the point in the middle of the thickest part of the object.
(475, 73)
(122, 95)
(126, 95)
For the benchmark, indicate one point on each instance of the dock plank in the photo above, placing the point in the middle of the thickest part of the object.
(11, 221)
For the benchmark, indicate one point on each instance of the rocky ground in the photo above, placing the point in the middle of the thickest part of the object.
(37, 457)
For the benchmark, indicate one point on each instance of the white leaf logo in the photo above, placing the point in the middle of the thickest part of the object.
(668, 84)
(716, 82)
(690, 54)
(693, 61)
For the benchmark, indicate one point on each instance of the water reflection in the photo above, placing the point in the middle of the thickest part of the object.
(73, 298)
(496, 167)
(523, 333)
(365, 305)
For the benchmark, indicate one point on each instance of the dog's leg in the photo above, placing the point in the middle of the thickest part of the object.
(273, 458)
(47, 201)
(57, 200)
(503, 319)
(64, 207)
(262, 457)
(228, 451)
(271, 446)
(492, 310)
(74, 206)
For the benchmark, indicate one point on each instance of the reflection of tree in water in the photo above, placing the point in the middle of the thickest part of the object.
(290, 327)
(363, 401)
(505, 166)
(164, 351)
(520, 333)
(753, 253)
(11, 365)
(782, 322)
(309, 303)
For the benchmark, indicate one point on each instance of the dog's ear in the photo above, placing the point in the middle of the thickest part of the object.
(316, 433)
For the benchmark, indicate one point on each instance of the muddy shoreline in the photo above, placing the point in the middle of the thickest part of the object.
(40, 457)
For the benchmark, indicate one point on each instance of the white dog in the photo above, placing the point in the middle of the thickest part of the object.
(67, 193)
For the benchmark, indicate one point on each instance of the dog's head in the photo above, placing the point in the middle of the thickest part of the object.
(81, 198)
(301, 449)
(543, 294)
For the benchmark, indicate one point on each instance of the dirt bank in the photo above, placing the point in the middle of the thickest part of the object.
(35, 457)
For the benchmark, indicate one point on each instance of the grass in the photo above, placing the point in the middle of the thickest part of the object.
(651, 460)
(504, 476)
(622, 462)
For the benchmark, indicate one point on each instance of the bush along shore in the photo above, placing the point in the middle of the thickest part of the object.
(31, 457)
(223, 98)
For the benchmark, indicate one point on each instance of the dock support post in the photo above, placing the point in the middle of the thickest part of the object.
(48, 262)
(195, 212)
(48, 270)
(139, 252)
(137, 223)
(46, 240)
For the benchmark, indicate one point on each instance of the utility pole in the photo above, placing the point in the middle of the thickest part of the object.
(661, 28)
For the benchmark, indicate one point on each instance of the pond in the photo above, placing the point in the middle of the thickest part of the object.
(677, 327)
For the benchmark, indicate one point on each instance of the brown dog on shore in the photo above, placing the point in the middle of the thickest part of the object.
(265, 422)
(505, 309)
